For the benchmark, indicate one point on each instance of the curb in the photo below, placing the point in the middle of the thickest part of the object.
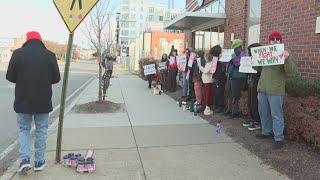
(11, 170)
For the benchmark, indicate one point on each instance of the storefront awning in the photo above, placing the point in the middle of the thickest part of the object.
(196, 21)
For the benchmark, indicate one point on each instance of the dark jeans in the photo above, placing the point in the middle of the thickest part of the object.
(234, 87)
(253, 100)
(192, 94)
(149, 77)
(164, 80)
(218, 94)
(172, 80)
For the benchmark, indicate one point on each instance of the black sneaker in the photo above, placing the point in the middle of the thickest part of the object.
(264, 136)
(39, 166)
(218, 110)
(253, 127)
(247, 123)
(227, 113)
(24, 165)
(277, 145)
(235, 115)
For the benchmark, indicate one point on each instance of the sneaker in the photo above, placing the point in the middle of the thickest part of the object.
(24, 165)
(264, 136)
(227, 113)
(39, 166)
(207, 111)
(247, 123)
(253, 127)
(218, 110)
(277, 145)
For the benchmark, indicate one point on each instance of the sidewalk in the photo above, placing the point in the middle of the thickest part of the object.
(154, 139)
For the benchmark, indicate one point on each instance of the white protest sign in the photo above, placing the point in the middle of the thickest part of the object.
(268, 55)
(246, 65)
(199, 61)
(182, 62)
(172, 59)
(226, 55)
(191, 59)
(149, 69)
(162, 66)
(118, 59)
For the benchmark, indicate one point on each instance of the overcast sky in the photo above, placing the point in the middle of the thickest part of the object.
(21, 16)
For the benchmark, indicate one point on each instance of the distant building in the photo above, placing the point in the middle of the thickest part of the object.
(6, 47)
(140, 16)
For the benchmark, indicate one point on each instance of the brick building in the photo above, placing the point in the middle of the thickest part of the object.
(210, 22)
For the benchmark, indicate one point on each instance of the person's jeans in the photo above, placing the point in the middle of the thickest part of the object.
(234, 94)
(41, 123)
(185, 85)
(271, 115)
(198, 91)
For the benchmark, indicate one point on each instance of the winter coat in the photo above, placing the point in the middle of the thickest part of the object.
(219, 76)
(196, 73)
(233, 68)
(206, 75)
(273, 78)
(34, 69)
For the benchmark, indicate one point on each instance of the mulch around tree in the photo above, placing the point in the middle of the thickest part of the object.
(99, 107)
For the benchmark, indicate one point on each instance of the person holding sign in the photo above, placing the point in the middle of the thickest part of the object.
(197, 78)
(173, 71)
(236, 79)
(271, 89)
(164, 72)
(253, 79)
(207, 80)
(219, 80)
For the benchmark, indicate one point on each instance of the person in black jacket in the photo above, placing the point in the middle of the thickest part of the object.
(219, 81)
(253, 79)
(33, 69)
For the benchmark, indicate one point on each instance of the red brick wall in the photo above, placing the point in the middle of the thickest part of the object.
(296, 19)
(236, 21)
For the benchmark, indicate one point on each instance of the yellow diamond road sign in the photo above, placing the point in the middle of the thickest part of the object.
(74, 11)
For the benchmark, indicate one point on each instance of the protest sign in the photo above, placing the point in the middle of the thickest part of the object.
(246, 65)
(213, 66)
(162, 66)
(268, 55)
(149, 69)
(172, 60)
(199, 61)
(182, 62)
(226, 55)
(191, 59)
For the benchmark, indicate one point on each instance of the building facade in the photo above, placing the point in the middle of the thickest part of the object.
(210, 22)
(139, 16)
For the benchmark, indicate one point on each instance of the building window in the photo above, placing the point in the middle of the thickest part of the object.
(125, 16)
(160, 18)
(151, 18)
(217, 6)
(125, 32)
(124, 25)
(254, 21)
(151, 10)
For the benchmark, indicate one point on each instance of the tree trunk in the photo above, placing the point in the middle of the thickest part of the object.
(100, 76)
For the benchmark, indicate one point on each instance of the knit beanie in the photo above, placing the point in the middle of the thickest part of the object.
(33, 35)
(236, 43)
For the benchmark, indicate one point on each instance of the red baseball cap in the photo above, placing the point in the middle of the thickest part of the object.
(33, 35)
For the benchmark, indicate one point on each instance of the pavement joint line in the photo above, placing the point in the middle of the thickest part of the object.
(132, 130)
(11, 171)
(147, 147)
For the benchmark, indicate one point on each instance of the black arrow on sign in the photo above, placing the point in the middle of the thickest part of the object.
(73, 2)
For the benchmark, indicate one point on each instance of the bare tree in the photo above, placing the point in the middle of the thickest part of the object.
(95, 29)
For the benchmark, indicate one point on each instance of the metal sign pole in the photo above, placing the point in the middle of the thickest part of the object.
(63, 98)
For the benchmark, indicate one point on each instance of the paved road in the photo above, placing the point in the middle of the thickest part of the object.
(79, 74)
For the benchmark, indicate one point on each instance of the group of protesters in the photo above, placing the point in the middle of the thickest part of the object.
(212, 86)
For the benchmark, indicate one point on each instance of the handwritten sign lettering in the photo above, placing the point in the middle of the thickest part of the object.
(246, 65)
(149, 69)
(162, 66)
(226, 55)
(182, 63)
(191, 59)
(268, 55)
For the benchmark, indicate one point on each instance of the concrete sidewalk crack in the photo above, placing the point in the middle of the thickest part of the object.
(133, 134)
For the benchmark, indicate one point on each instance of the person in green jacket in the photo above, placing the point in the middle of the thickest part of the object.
(271, 90)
